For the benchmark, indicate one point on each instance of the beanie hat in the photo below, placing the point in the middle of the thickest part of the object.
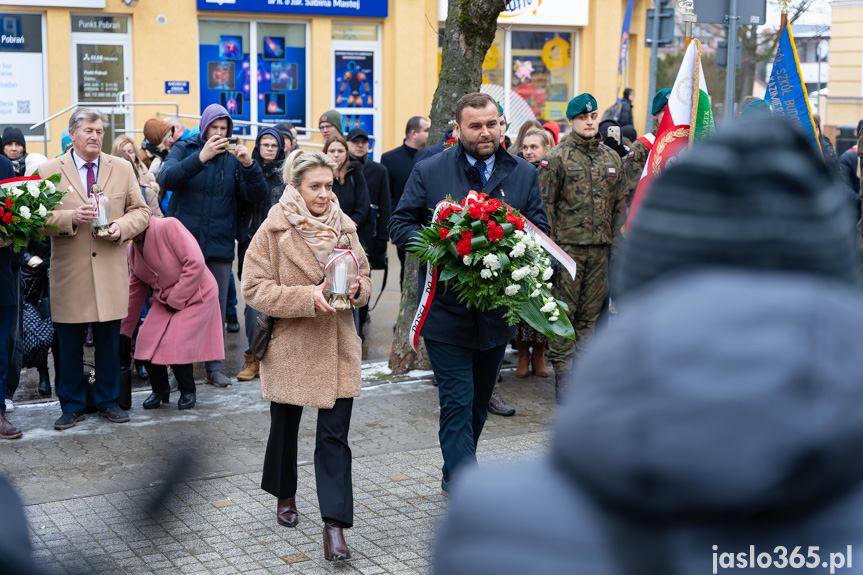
(11, 134)
(756, 196)
(155, 130)
(333, 118)
(554, 128)
(757, 108)
(65, 141)
(660, 100)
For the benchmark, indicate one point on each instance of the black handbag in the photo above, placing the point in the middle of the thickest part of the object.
(37, 331)
(89, 388)
(263, 334)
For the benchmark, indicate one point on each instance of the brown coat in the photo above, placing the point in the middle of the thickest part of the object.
(90, 276)
(314, 357)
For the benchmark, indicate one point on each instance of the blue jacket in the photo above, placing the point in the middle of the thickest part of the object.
(514, 182)
(205, 195)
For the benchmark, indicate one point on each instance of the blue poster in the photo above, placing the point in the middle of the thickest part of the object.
(281, 93)
(225, 78)
(354, 79)
(364, 8)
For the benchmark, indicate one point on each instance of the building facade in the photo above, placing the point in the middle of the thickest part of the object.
(272, 61)
(843, 103)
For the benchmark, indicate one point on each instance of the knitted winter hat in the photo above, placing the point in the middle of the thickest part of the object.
(756, 196)
(11, 134)
(156, 129)
(333, 118)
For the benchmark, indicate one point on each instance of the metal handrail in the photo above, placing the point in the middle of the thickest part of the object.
(115, 104)
(259, 124)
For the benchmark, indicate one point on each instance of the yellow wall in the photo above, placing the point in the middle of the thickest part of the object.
(844, 104)
(408, 48)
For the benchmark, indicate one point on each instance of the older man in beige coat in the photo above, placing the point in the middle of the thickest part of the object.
(89, 275)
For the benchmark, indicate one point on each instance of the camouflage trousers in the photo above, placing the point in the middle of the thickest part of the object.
(584, 296)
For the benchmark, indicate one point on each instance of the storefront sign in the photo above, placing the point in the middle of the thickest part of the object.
(365, 8)
(176, 87)
(537, 12)
(22, 92)
(60, 3)
(100, 24)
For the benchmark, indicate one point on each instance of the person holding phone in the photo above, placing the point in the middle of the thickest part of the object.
(209, 180)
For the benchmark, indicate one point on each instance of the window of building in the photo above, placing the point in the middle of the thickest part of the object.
(23, 72)
(267, 85)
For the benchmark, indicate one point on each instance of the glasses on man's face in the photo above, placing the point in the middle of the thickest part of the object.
(270, 146)
(325, 126)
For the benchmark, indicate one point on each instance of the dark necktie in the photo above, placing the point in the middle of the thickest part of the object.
(481, 167)
(91, 176)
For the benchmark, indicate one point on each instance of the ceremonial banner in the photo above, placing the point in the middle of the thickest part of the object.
(623, 55)
(786, 91)
(687, 118)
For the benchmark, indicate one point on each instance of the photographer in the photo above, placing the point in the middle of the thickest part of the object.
(209, 173)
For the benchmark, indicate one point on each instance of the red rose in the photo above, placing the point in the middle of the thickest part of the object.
(475, 212)
(515, 220)
(495, 232)
(483, 195)
(8, 203)
(7, 218)
(443, 233)
(466, 235)
(492, 206)
(484, 216)
(463, 248)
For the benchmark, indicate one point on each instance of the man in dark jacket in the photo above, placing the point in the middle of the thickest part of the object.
(9, 296)
(374, 233)
(465, 346)
(849, 168)
(207, 183)
(399, 163)
(708, 419)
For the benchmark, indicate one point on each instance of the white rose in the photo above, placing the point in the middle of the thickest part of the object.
(17, 192)
(42, 211)
(511, 290)
(25, 212)
(546, 274)
(518, 233)
(520, 273)
(50, 185)
(534, 271)
(549, 307)
(485, 274)
(518, 250)
(466, 260)
(33, 189)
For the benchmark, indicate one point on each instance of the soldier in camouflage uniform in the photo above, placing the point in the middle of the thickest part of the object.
(640, 150)
(581, 181)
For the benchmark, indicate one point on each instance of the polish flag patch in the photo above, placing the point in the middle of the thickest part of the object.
(544, 163)
(612, 171)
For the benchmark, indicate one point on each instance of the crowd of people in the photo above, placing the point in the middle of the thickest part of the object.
(160, 290)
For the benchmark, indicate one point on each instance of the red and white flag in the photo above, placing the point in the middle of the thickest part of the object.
(687, 118)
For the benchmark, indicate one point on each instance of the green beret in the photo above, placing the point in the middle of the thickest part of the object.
(580, 104)
(660, 100)
(757, 108)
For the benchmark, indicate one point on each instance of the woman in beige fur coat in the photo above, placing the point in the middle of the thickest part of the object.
(314, 357)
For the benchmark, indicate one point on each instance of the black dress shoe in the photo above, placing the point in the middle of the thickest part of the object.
(233, 323)
(142, 373)
(44, 387)
(187, 400)
(156, 399)
(68, 420)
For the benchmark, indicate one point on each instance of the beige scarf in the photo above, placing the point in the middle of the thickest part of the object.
(319, 232)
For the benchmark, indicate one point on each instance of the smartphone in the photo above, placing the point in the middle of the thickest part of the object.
(232, 142)
(614, 132)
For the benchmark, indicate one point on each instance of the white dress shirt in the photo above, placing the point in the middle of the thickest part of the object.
(82, 171)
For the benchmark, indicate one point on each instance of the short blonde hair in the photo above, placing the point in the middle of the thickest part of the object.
(300, 162)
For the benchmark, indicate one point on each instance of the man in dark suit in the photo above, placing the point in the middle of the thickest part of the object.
(465, 346)
(374, 234)
(399, 163)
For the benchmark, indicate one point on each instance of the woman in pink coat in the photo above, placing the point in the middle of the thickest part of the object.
(184, 324)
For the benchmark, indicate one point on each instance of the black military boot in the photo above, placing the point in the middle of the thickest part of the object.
(44, 387)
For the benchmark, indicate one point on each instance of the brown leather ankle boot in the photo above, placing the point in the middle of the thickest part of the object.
(7, 430)
(523, 367)
(538, 360)
(286, 512)
(335, 548)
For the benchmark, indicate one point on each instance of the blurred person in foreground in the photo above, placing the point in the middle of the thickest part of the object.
(734, 420)
(315, 355)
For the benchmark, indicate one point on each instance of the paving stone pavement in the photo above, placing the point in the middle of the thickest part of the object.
(86, 488)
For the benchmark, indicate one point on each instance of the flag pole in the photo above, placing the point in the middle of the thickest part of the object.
(784, 22)
(689, 18)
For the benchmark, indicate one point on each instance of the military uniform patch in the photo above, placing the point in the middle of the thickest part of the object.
(544, 163)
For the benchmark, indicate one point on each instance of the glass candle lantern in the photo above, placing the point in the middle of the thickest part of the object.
(100, 202)
(341, 271)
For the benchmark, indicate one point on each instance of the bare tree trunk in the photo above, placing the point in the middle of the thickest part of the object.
(469, 32)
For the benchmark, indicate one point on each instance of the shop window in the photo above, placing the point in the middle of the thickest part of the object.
(542, 72)
(23, 95)
(276, 92)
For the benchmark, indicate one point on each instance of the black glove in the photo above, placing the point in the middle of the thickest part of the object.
(616, 146)
(171, 309)
(555, 268)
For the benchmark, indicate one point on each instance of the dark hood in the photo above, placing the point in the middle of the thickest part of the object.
(280, 156)
(721, 395)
